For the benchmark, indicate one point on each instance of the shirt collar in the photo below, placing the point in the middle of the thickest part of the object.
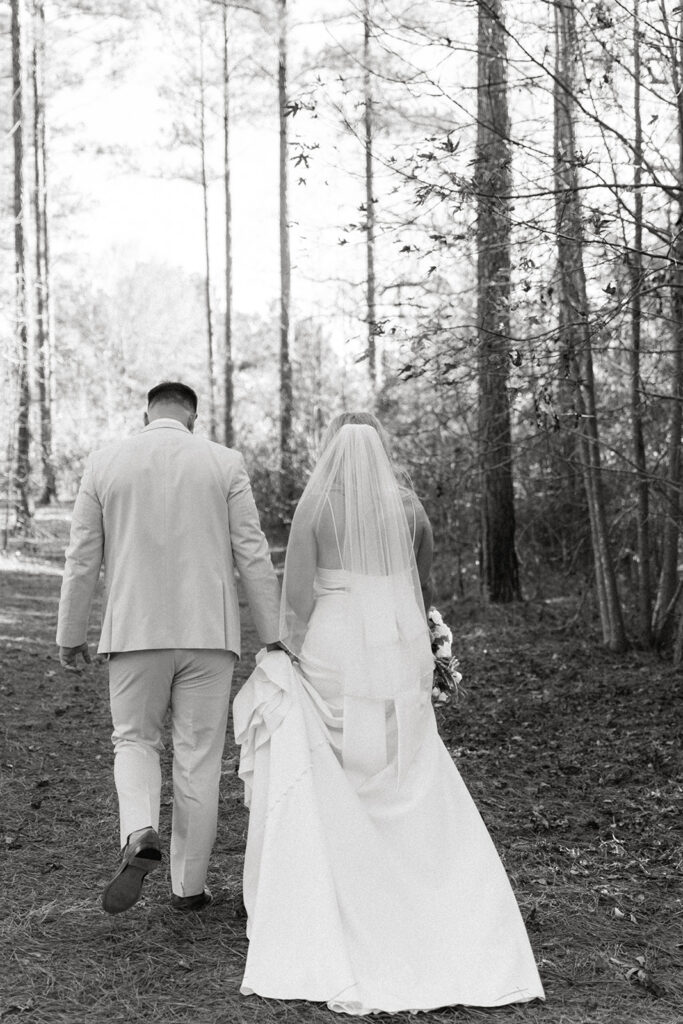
(166, 421)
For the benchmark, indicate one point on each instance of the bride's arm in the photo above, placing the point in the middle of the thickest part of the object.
(424, 553)
(423, 542)
(300, 568)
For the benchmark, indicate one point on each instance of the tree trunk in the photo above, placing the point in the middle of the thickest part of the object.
(286, 396)
(498, 566)
(42, 331)
(47, 278)
(9, 487)
(637, 431)
(668, 579)
(22, 464)
(228, 389)
(371, 315)
(210, 361)
(575, 335)
(678, 641)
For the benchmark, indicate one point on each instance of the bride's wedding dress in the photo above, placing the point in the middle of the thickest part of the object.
(370, 880)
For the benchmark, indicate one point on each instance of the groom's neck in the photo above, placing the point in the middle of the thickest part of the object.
(171, 411)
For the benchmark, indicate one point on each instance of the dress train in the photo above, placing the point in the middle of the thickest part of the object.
(373, 895)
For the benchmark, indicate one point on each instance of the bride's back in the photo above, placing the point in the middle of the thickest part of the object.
(330, 531)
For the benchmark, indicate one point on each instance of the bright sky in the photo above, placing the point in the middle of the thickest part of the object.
(131, 215)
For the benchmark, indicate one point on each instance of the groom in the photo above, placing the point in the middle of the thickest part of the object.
(171, 515)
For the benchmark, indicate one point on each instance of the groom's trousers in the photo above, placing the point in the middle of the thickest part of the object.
(195, 685)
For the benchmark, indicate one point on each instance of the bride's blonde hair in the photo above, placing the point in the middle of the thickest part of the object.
(359, 418)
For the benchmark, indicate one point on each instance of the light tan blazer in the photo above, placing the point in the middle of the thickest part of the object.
(171, 515)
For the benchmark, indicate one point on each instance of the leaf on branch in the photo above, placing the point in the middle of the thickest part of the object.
(292, 107)
(449, 146)
(411, 372)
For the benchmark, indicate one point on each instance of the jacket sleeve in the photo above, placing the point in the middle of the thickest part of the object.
(252, 557)
(83, 561)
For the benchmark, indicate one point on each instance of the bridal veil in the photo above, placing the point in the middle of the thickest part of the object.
(350, 535)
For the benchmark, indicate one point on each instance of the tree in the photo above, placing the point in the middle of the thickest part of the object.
(42, 255)
(22, 464)
(286, 393)
(204, 180)
(635, 261)
(499, 571)
(228, 384)
(190, 90)
(574, 328)
(669, 587)
(371, 315)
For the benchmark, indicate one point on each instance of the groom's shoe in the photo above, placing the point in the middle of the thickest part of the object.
(198, 902)
(141, 854)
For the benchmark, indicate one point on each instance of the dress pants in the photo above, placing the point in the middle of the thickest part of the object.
(195, 684)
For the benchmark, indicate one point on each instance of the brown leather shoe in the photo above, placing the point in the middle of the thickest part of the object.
(198, 902)
(139, 858)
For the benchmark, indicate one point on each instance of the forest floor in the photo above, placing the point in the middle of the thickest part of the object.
(571, 753)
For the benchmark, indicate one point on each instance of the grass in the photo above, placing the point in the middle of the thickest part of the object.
(572, 754)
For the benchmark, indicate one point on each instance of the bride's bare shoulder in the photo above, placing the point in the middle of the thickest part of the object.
(410, 499)
(418, 520)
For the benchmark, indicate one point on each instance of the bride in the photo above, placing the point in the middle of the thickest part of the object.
(370, 880)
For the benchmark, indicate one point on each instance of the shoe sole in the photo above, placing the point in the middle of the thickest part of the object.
(125, 888)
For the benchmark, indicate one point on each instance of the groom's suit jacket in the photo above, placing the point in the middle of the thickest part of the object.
(171, 515)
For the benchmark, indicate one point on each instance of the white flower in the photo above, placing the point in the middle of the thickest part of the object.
(444, 650)
(435, 617)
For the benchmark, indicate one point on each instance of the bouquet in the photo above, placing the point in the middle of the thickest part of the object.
(447, 679)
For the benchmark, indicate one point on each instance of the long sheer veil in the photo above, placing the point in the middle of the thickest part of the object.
(350, 527)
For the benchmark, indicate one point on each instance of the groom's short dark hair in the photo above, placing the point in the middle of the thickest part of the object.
(173, 391)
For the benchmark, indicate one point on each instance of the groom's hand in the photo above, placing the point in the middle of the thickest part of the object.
(279, 646)
(68, 657)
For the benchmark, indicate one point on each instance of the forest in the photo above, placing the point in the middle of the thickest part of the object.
(467, 217)
(464, 216)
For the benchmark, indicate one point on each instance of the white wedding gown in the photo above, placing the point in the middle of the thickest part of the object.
(374, 886)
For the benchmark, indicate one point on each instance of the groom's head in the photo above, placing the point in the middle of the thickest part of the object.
(172, 400)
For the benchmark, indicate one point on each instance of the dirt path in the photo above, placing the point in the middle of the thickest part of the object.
(572, 755)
